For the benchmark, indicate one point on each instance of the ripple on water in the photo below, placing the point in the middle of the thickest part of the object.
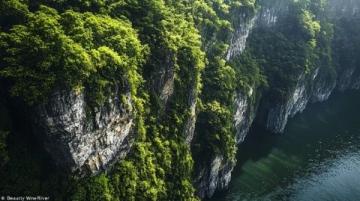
(317, 158)
(337, 180)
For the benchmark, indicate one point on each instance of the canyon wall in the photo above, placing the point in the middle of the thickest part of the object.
(152, 98)
(314, 86)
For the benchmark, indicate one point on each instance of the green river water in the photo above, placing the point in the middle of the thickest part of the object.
(317, 158)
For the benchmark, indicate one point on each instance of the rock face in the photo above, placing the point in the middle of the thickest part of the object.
(238, 42)
(310, 87)
(191, 121)
(218, 174)
(348, 79)
(87, 140)
(215, 176)
(245, 22)
(164, 79)
(163, 84)
(271, 11)
(315, 86)
(318, 85)
(244, 115)
(82, 142)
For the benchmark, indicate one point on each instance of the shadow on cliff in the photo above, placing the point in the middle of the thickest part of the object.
(29, 169)
(257, 145)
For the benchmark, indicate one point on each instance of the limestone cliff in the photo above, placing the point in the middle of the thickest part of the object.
(82, 141)
(314, 86)
(203, 79)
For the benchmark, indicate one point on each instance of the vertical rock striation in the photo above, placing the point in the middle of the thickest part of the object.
(271, 11)
(244, 114)
(191, 121)
(80, 141)
(215, 176)
(238, 41)
(314, 86)
(89, 139)
(311, 87)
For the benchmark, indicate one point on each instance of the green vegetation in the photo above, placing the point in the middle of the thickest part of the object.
(117, 47)
(71, 50)
(301, 43)
(94, 48)
(214, 128)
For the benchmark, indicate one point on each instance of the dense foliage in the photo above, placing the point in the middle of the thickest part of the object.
(71, 50)
(94, 48)
(119, 47)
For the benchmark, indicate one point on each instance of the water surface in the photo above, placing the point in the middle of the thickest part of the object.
(317, 158)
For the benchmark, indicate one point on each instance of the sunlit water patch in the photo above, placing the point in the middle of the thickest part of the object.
(316, 159)
(339, 181)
